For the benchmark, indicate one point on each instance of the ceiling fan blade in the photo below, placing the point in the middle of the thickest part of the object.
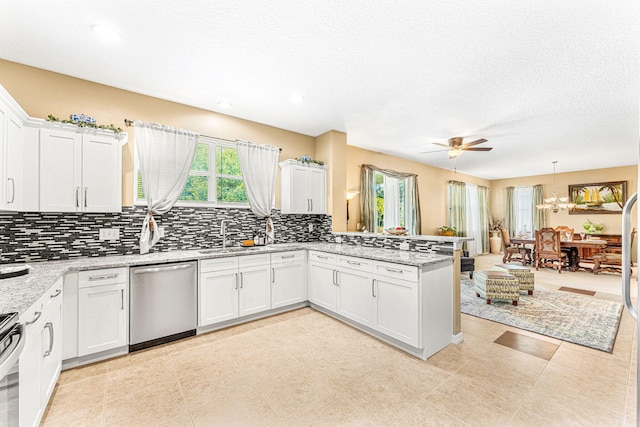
(440, 145)
(478, 149)
(476, 142)
(434, 151)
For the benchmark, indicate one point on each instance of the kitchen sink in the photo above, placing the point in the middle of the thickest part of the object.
(227, 250)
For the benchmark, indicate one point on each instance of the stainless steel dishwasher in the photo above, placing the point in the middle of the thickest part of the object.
(163, 304)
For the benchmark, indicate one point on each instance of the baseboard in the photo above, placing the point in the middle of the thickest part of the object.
(457, 338)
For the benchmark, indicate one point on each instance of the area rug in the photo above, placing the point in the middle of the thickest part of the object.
(575, 318)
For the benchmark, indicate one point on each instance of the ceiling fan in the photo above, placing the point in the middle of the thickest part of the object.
(456, 147)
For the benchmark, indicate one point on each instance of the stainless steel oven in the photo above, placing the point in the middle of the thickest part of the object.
(11, 344)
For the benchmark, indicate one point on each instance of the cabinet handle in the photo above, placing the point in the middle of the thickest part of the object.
(241, 280)
(308, 205)
(105, 277)
(36, 316)
(373, 287)
(334, 278)
(236, 280)
(121, 299)
(311, 210)
(337, 278)
(273, 275)
(394, 270)
(77, 197)
(287, 256)
(58, 292)
(322, 257)
(353, 262)
(85, 197)
(13, 190)
(49, 325)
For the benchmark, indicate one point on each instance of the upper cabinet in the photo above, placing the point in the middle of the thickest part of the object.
(79, 172)
(55, 167)
(302, 188)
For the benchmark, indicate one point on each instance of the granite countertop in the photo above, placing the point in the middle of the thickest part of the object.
(19, 293)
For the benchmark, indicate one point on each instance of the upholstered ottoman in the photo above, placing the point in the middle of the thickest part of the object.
(523, 274)
(496, 285)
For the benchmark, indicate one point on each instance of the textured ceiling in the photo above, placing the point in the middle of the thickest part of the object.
(541, 80)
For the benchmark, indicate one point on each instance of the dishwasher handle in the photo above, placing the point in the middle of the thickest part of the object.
(159, 269)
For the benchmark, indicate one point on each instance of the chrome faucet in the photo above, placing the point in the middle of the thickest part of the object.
(223, 230)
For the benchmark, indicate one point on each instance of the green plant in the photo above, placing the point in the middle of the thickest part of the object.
(496, 225)
(307, 159)
(445, 230)
(111, 127)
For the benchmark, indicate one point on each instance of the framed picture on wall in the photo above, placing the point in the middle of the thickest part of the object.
(598, 198)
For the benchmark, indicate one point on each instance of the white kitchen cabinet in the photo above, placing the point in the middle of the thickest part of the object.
(102, 310)
(302, 188)
(79, 172)
(288, 278)
(397, 309)
(322, 280)
(355, 290)
(41, 359)
(233, 287)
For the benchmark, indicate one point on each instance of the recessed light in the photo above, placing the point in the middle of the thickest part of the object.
(224, 105)
(106, 34)
(297, 99)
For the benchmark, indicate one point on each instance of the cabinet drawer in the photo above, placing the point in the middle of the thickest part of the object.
(283, 257)
(251, 260)
(108, 276)
(322, 257)
(216, 264)
(360, 264)
(399, 271)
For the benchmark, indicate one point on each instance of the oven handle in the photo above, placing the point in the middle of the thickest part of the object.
(10, 356)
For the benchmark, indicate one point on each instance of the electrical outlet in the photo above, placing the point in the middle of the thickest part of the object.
(310, 228)
(161, 231)
(338, 239)
(404, 246)
(109, 234)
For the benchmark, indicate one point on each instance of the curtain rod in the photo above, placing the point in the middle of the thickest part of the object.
(129, 123)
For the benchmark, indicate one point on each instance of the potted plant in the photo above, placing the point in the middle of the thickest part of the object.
(445, 230)
(495, 226)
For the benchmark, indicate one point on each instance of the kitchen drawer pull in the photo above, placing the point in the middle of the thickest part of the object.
(373, 287)
(13, 190)
(159, 269)
(105, 277)
(36, 316)
(334, 277)
(311, 210)
(241, 280)
(353, 262)
(236, 280)
(273, 275)
(77, 197)
(49, 325)
(85, 196)
(308, 205)
(287, 256)
(322, 257)
(121, 299)
(58, 292)
(394, 270)
(337, 278)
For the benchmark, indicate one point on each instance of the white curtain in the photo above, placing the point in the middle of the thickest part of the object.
(259, 164)
(165, 156)
(391, 202)
(473, 220)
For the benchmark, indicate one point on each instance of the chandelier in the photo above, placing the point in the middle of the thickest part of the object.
(555, 203)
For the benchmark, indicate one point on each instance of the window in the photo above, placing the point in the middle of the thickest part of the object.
(392, 203)
(523, 209)
(214, 179)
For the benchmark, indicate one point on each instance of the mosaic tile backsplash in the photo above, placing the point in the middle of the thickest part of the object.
(388, 242)
(40, 236)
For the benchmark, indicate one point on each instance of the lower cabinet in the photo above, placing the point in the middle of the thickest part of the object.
(356, 293)
(102, 318)
(397, 308)
(288, 273)
(322, 282)
(41, 359)
(233, 287)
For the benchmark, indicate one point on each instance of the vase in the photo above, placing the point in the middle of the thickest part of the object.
(495, 244)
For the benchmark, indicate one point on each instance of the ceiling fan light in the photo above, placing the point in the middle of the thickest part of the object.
(455, 153)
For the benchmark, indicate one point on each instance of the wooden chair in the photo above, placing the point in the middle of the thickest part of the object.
(524, 254)
(610, 261)
(566, 233)
(548, 248)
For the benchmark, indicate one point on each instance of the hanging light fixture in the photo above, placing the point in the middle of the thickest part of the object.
(555, 203)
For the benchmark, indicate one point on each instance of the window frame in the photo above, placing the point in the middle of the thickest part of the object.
(212, 179)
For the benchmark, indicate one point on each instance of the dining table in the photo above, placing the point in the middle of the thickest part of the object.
(574, 262)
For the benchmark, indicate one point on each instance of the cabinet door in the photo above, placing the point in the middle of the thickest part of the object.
(51, 348)
(102, 318)
(300, 199)
(287, 284)
(218, 296)
(397, 309)
(14, 170)
(322, 289)
(101, 187)
(30, 366)
(316, 190)
(60, 171)
(255, 290)
(356, 296)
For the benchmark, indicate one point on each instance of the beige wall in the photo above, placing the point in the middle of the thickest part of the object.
(332, 147)
(612, 222)
(41, 93)
(432, 185)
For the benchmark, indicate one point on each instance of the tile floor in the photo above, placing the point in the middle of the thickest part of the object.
(304, 368)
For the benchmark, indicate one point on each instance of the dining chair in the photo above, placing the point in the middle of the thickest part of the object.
(524, 254)
(566, 233)
(610, 261)
(548, 249)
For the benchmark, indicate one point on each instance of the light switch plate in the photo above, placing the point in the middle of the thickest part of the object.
(109, 234)
(338, 239)
(310, 228)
